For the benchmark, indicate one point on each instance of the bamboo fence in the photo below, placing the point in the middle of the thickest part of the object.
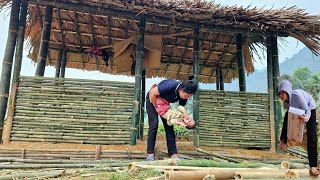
(234, 119)
(72, 111)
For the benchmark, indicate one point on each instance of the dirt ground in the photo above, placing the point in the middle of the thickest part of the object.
(182, 145)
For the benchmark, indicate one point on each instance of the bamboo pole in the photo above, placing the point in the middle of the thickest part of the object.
(271, 94)
(142, 101)
(6, 134)
(217, 78)
(20, 41)
(16, 72)
(58, 64)
(196, 71)
(297, 173)
(221, 78)
(276, 77)
(37, 175)
(138, 72)
(240, 63)
(291, 165)
(63, 63)
(7, 60)
(44, 44)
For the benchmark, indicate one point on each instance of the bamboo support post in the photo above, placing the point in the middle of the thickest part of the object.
(138, 73)
(196, 71)
(276, 77)
(217, 78)
(7, 60)
(6, 134)
(44, 44)
(271, 91)
(240, 63)
(221, 78)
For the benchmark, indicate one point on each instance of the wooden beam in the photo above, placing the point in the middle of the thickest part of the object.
(44, 44)
(159, 19)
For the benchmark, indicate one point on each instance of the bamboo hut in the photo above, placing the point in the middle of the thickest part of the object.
(157, 38)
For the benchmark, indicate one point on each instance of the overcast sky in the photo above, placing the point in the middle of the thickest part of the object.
(293, 46)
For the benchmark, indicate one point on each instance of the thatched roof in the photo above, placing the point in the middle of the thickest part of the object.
(79, 25)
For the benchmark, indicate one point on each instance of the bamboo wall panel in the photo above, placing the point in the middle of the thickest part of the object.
(234, 119)
(72, 111)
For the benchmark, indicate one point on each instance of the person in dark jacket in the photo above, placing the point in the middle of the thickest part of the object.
(172, 91)
(302, 100)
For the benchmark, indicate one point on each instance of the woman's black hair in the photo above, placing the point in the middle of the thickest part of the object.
(189, 86)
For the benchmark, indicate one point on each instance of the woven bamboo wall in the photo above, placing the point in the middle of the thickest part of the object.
(234, 119)
(72, 111)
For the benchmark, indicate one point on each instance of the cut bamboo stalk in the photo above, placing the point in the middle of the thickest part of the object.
(291, 165)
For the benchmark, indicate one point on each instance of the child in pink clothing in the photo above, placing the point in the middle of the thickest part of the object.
(173, 116)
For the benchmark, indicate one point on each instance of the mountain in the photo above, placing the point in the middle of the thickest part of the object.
(257, 81)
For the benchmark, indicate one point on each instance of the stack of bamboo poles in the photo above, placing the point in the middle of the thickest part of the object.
(72, 111)
(43, 169)
(234, 119)
(207, 169)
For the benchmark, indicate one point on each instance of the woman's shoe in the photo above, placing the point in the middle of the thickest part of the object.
(314, 171)
(150, 158)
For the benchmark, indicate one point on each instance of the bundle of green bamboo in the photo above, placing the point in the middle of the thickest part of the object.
(72, 111)
(234, 119)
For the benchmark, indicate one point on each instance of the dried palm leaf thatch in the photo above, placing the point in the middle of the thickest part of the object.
(79, 30)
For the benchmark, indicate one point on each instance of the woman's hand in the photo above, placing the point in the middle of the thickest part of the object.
(302, 119)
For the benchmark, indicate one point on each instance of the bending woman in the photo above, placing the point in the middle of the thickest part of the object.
(172, 91)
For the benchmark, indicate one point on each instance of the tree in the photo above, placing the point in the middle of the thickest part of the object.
(314, 86)
(302, 78)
